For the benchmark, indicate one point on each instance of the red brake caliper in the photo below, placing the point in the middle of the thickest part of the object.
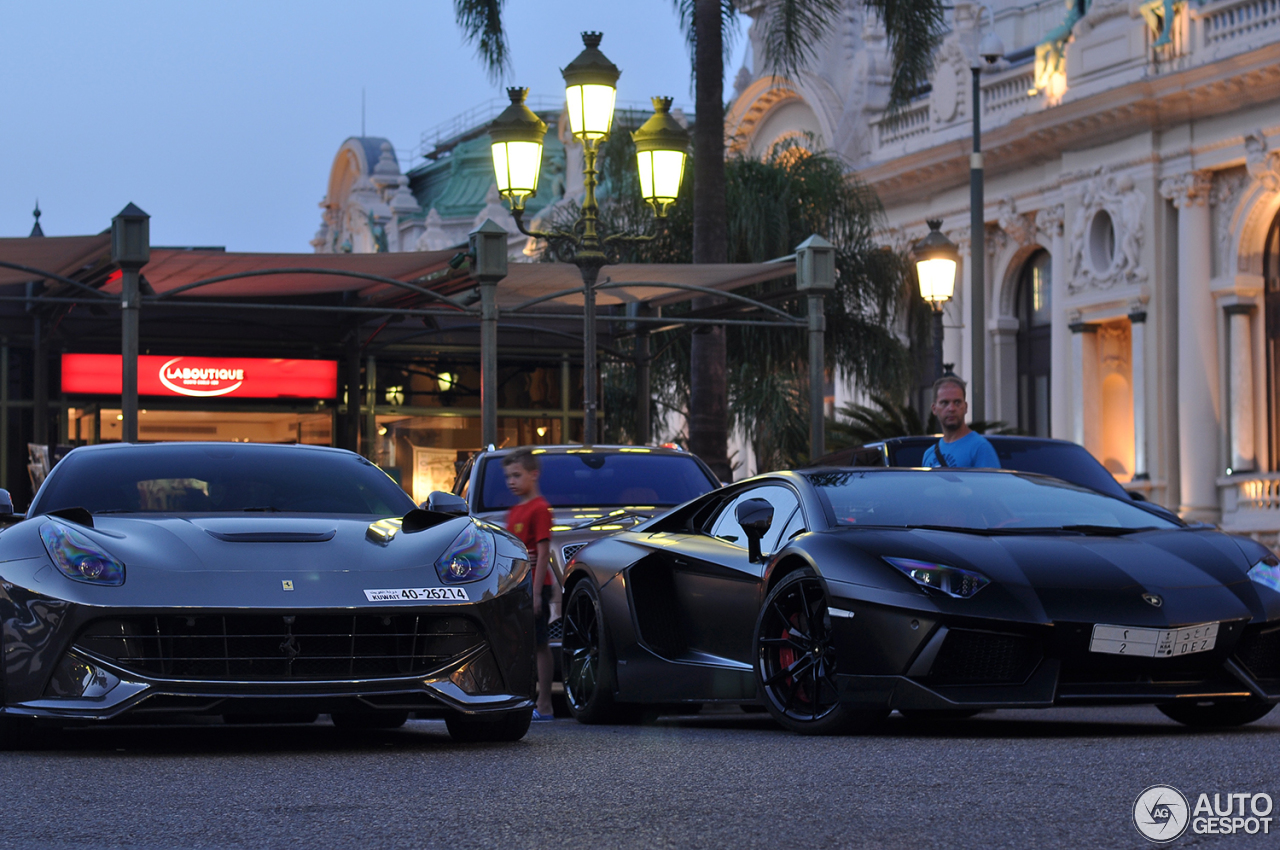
(787, 657)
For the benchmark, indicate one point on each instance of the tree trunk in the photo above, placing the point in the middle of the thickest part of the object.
(708, 399)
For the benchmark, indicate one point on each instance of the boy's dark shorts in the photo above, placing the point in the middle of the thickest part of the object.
(541, 632)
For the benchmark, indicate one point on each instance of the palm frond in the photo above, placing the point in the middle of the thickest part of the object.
(914, 29)
(793, 30)
(481, 25)
(728, 27)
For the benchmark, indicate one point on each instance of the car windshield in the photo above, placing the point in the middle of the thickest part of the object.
(201, 478)
(979, 501)
(1063, 460)
(603, 479)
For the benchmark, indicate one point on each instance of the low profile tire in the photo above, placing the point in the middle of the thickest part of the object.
(588, 661)
(1209, 714)
(358, 720)
(507, 727)
(796, 661)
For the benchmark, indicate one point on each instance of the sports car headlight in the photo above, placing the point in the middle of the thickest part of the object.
(953, 581)
(80, 558)
(1267, 572)
(469, 557)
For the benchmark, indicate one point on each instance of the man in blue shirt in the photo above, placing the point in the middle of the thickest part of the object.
(960, 445)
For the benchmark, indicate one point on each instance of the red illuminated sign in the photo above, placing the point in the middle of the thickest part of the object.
(203, 377)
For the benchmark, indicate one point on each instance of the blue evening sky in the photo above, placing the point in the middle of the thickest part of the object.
(221, 118)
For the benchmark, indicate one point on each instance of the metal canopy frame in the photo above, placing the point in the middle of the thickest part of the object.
(449, 306)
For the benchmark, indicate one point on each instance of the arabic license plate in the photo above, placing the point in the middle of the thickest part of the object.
(1153, 643)
(418, 594)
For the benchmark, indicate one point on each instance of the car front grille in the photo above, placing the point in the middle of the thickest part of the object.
(274, 647)
(1260, 654)
(567, 553)
(974, 658)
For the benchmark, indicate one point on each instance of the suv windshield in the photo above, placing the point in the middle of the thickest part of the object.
(602, 480)
(986, 501)
(202, 478)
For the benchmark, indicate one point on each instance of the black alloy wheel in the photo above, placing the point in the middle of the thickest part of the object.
(588, 661)
(796, 661)
(1214, 713)
(480, 729)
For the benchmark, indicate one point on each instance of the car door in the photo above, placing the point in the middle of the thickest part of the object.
(717, 585)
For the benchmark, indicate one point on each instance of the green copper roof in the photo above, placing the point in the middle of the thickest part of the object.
(456, 185)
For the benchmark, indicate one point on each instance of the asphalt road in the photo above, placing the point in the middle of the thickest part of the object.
(1019, 779)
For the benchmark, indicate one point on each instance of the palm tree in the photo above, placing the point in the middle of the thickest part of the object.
(792, 29)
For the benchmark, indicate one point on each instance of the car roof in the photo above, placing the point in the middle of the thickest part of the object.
(574, 448)
(115, 447)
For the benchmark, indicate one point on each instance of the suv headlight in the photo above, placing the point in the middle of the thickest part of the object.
(470, 557)
(953, 581)
(1267, 572)
(80, 558)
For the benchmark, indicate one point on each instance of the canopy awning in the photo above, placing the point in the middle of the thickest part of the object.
(655, 283)
(63, 255)
(171, 269)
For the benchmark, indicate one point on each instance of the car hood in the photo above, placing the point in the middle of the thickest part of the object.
(1198, 576)
(239, 561)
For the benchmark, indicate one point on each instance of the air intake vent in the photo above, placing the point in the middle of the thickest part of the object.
(1260, 654)
(984, 658)
(275, 647)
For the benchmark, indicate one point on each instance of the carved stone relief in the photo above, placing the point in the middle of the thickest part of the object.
(1019, 226)
(1263, 164)
(1224, 197)
(1049, 221)
(1106, 235)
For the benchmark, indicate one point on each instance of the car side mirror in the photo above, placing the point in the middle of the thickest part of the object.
(755, 516)
(446, 503)
(6, 503)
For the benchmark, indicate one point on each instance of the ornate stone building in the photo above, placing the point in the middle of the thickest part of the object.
(1132, 284)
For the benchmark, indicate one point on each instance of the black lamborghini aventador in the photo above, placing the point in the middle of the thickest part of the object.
(835, 596)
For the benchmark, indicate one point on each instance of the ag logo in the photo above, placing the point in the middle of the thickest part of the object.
(1152, 599)
(1160, 813)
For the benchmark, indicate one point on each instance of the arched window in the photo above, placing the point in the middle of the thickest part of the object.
(1271, 273)
(1034, 311)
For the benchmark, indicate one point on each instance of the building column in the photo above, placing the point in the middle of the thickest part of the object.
(1198, 414)
(1138, 368)
(1002, 393)
(1080, 335)
(1240, 387)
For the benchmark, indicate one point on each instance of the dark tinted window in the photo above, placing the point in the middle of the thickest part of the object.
(202, 478)
(1061, 460)
(971, 500)
(599, 480)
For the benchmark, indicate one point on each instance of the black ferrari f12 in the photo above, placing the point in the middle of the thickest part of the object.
(834, 596)
(258, 582)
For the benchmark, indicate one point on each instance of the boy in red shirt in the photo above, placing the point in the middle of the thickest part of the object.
(530, 520)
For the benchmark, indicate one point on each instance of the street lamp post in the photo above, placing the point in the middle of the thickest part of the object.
(935, 256)
(130, 250)
(989, 51)
(661, 149)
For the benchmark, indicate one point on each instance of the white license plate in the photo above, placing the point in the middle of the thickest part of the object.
(417, 594)
(1153, 643)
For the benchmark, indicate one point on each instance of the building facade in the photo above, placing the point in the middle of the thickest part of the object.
(1132, 186)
